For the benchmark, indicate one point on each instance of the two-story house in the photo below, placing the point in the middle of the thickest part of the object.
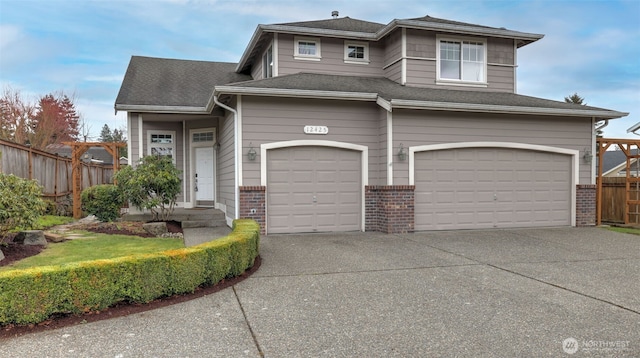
(344, 125)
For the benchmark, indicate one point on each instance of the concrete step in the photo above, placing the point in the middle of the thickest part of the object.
(183, 215)
(203, 223)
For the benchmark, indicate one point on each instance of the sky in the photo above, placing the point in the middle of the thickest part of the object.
(83, 47)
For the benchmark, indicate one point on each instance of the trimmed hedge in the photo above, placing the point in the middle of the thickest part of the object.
(104, 201)
(33, 295)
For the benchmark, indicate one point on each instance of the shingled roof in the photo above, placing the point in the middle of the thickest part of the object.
(185, 84)
(406, 96)
(339, 24)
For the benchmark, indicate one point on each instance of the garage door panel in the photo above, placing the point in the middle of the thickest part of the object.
(491, 187)
(317, 189)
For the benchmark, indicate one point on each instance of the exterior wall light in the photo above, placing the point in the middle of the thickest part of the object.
(587, 155)
(252, 153)
(402, 153)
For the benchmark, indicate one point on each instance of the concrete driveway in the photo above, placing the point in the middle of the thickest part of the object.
(543, 292)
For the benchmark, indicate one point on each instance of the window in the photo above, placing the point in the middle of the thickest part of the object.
(267, 63)
(307, 48)
(199, 137)
(355, 52)
(162, 143)
(461, 60)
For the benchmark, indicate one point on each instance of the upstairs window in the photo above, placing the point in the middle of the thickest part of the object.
(356, 52)
(267, 63)
(306, 48)
(461, 60)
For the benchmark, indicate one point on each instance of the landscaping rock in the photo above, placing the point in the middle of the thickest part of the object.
(54, 237)
(30, 237)
(155, 228)
(1, 255)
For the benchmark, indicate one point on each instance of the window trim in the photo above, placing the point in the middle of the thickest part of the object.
(267, 70)
(172, 145)
(461, 82)
(296, 48)
(358, 61)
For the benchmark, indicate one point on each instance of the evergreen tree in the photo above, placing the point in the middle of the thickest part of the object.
(574, 98)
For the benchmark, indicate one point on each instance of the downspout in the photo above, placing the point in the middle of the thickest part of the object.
(595, 148)
(606, 123)
(235, 154)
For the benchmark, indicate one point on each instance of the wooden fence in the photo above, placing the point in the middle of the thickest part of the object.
(50, 170)
(613, 199)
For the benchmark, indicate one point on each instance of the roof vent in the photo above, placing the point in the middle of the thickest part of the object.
(334, 14)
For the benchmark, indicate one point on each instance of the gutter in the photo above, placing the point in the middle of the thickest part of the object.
(160, 109)
(490, 108)
(235, 154)
(279, 92)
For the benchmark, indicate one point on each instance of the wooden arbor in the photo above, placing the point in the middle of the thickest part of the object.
(77, 150)
(632, 183)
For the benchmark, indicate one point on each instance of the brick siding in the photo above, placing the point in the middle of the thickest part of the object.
(253, 198)
(389, 208)
(585, 205)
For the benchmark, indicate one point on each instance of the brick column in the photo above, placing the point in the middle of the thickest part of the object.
(389, 208)
(252, 205)
(585, 205)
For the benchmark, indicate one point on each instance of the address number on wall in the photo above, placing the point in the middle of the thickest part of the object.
(316, 130)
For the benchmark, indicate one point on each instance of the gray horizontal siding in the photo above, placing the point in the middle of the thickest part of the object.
(394, 72)
(421, 73)
(421, 44)
(393, 47)
(382, 152)
(266, 120)
(134, 138)
(500, 51)
(226, 166)
(501, 78)
(332, 62)
(414, 128)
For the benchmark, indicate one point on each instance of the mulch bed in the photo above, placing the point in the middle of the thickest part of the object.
(14, 252)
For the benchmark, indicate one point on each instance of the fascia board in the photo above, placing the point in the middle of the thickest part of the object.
(160, 109)
(279, 92)
(299, 30)
(472, 30)
(252, 43)
(634, 128)
(472, 107)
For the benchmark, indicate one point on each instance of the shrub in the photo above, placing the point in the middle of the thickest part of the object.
(33, 295)
(154, 184)
(104, 201)
(20, 203)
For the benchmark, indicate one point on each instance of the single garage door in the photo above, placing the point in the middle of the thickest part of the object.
(471, 188)
(313, 189)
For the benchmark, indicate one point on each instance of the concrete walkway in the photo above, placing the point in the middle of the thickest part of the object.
(498, 293)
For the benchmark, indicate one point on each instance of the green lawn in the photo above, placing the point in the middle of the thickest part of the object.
(100, 247)
(47, 221)
(626, 230)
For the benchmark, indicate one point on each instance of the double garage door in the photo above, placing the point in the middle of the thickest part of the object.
(473, 188)
(314, 189)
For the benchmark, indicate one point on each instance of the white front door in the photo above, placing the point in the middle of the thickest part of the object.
(203, 178)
